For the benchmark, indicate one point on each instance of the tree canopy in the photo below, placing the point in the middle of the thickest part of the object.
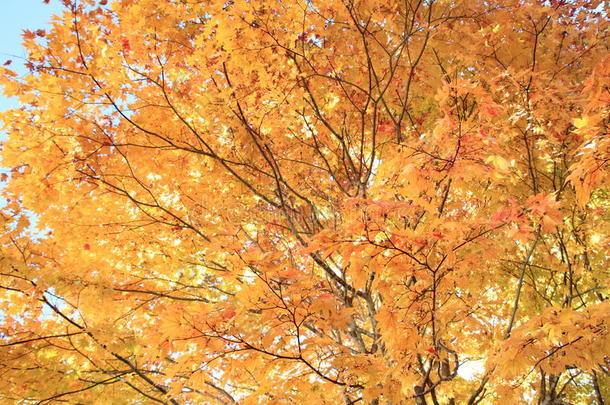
(308, 201)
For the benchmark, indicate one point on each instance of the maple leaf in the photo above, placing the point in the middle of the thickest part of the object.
(27, 34)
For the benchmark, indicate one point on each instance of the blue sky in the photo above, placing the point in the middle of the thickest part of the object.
(15, 16)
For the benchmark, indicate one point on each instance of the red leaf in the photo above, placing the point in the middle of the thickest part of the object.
(126, 45)
(27, 34)
(491, 111)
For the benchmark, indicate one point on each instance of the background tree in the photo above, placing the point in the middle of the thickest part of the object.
(309, 202)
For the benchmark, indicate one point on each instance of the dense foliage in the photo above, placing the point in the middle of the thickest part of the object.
(307, 201)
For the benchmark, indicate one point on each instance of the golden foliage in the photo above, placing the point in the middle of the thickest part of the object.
(308, 202)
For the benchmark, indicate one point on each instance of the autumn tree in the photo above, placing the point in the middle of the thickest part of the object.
(307, 201)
